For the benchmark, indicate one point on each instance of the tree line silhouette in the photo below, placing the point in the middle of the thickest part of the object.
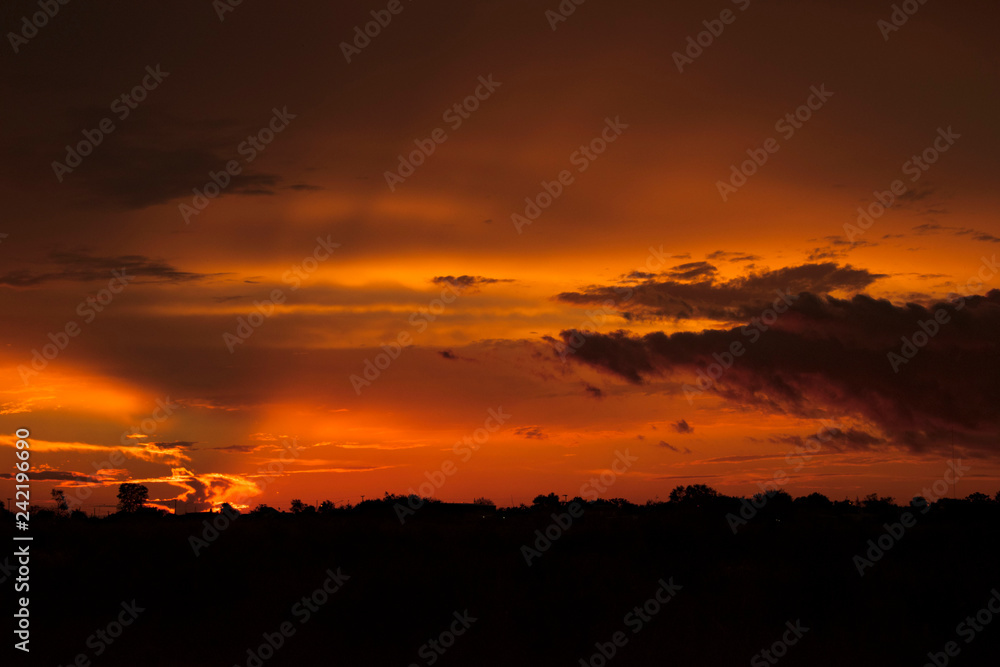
(133, 499)
(794, 559)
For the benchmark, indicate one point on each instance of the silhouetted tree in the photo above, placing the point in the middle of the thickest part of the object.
(551, 500)
(297, 506)
(875, 503)
(484, 501)
(814, 501)
(694, 494)
(59, 496)
(978, 498)
(327, 507)
(131, 497)
(845, 506)
(774, 498)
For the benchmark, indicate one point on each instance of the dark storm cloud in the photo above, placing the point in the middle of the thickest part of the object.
(151, 158)
(239, 448)
(57, 476)
(830, 357)
(916, 194)
(531, 433)
(733, 256)
(922, 200)
(82, 267)
(839, 439)
(837, 247)
(692, 270)
(185, 444)
(157, 168)
(682, 427)
(468, 283)
(729, 300)
(974, 234)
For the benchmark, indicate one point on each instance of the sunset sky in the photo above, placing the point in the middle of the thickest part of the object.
(642, 239)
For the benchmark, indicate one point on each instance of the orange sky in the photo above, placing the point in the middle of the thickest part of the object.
(438, 262)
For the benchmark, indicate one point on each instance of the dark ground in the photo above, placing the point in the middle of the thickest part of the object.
(406, 582)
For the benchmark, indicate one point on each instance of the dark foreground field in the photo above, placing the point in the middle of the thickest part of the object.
(729, 596)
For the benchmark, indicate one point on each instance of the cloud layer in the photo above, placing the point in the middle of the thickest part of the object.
(691, 291)
(831, 357)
